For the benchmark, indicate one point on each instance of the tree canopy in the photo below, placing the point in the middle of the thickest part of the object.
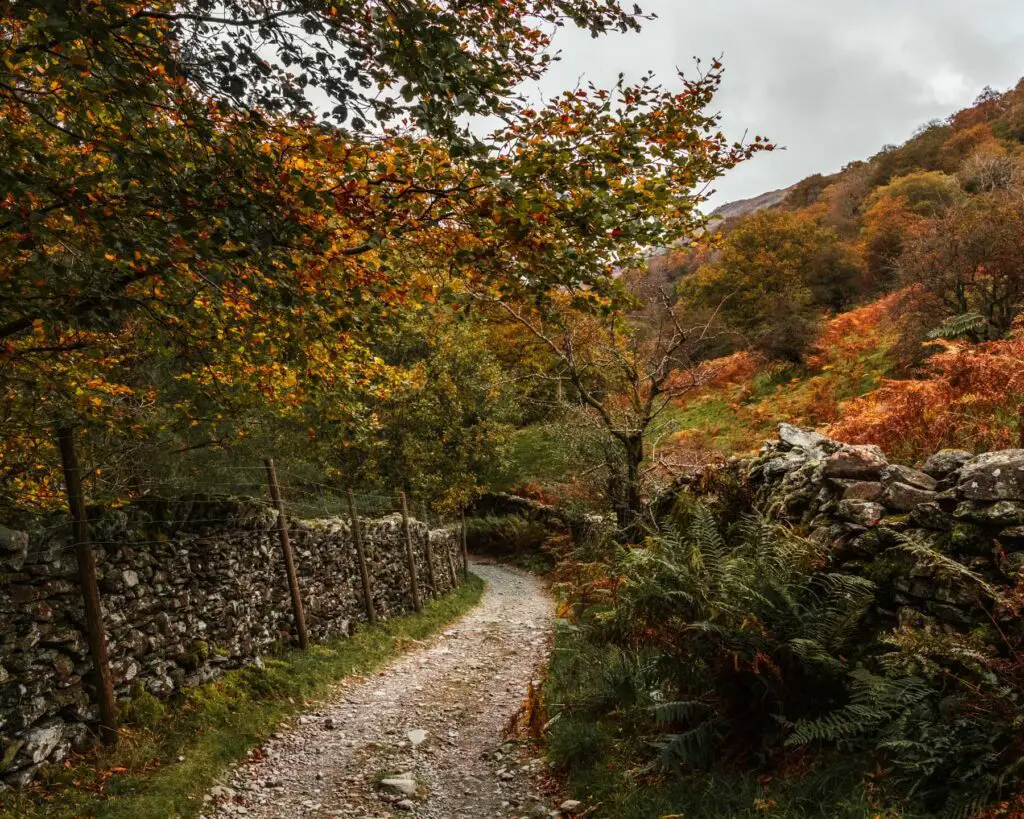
(218, 213)
(771, 280)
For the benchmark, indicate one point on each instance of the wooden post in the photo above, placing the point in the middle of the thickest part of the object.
(431, 572)
(465, 549)
(289, 558)
(413, 583)
(357, 536)
(95, 632)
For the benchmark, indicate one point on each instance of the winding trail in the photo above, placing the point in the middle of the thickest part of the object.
(461, 688)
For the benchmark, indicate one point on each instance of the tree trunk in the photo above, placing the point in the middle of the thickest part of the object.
(634, 446)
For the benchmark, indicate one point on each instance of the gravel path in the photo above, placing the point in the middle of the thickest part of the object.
(434, 721)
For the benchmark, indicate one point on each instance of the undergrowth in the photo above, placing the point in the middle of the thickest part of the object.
(603, 738)
(175, 751)
(725, 669)
(746, 397)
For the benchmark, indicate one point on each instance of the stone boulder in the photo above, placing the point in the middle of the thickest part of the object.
(13, 548)
(813, 443)
(945, 462)
(863, 463)
(776, 467)
(902, 497)
(863, 513)
(931, 515)
(863, 490)
(1000, 513)
(39, 743)
(994, 476)
(897, 473)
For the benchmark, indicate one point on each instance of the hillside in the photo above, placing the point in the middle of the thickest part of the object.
(887, 297)
(878, 303)
(893, 290)
(745, 207)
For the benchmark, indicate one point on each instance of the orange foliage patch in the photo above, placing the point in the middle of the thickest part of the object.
(850, 354)
(972, 396)
(731, 369)
(849, 334)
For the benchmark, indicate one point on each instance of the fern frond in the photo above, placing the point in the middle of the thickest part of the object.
(695, 747)
(839, 603)
(945, 565)
(875, 701)
(673, 713)
(961, 326)
(814, 653)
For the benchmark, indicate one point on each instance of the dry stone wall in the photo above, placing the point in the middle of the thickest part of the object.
(189, 589)
(932, 537)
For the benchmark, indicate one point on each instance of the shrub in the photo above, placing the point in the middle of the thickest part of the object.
(510, 535)
(762, 633)
(144, 710)
(576, 743)
(732, 645)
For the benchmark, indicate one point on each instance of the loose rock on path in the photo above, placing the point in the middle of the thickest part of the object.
(424, 737)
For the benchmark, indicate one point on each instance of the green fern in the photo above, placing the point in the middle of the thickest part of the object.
(755, 647)
(875, 701)
(945, 566)
(692, 748)
(965, 325)
(673, 713)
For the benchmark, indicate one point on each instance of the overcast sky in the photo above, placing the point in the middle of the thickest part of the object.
(831, 81)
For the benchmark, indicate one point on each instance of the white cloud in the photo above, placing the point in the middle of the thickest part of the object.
(831, 81)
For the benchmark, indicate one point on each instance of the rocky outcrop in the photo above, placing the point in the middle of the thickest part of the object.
(745, 207)
(188, 589)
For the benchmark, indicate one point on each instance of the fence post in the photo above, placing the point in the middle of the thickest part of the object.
(357, 536)
(465, 549)
(289, 558)
(451, 569)
(95, 632)
(413, 583)
(431, 574)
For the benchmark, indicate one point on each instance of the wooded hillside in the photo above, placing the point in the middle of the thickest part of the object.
(878, 303)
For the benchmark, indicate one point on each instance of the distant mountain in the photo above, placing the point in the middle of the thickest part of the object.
(744, 207)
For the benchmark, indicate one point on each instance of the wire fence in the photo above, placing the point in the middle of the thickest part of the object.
(186, 518)
(228, 501)
(126, 466)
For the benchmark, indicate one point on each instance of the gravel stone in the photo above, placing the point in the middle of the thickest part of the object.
(461, 688)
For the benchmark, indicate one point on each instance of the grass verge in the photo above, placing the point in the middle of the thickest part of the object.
(175, 751)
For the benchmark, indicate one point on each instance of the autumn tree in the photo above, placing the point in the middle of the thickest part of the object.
(775, 275)
(177, 226)
(844, 198)
(440, 432)
(892, 211)
(969, 265)
(626, 369)
(589, 182)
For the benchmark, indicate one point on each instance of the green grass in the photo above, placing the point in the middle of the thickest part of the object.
(161, 769)
(624, 793)
(714, 416)
(738, 418)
